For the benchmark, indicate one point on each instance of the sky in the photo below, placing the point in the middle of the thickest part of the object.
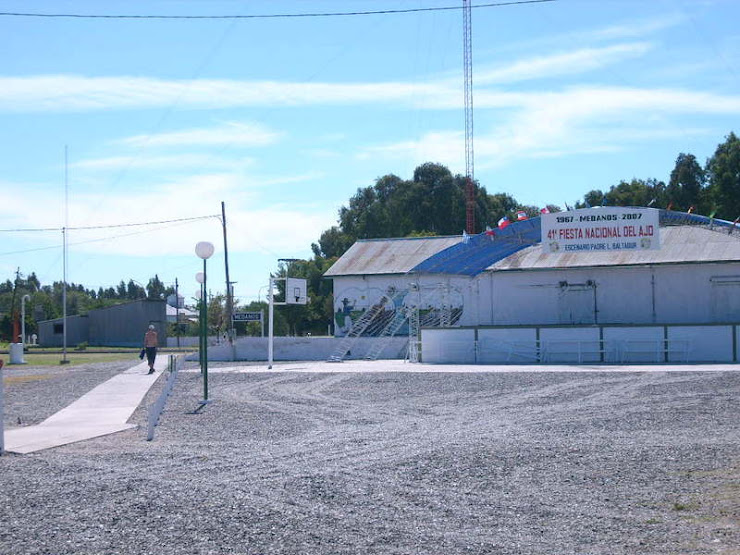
(141, 127)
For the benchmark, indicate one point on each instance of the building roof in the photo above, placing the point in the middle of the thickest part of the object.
(388, 256)
(682, 244)
(685, 238)
(183, 312)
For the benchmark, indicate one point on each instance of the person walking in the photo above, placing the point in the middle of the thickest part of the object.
(151, 341)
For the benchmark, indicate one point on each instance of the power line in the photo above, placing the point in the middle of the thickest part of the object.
(270, 16)
(109, 238)
(217, 216)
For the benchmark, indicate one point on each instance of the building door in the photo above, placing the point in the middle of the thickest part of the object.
(577, 303)
(725, 299)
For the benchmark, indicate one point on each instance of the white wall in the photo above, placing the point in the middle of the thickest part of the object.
(448, 345)
(303, 348)
(628, 344)
(668, 294)
(507, 345)
(700, 343)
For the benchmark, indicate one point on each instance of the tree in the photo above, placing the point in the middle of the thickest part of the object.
(134, 291)
(498, 206)
(686, 184)
(637, 192)
(723, 171)
(155, 289)
(332, 243)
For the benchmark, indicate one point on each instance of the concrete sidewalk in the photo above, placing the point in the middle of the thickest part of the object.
(104, 410)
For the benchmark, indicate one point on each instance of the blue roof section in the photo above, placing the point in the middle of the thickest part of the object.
(474, 255)
(477, 252)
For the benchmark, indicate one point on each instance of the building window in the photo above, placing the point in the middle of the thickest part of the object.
(58, 329)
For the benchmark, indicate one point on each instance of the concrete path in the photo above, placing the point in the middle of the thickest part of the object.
(104, 410)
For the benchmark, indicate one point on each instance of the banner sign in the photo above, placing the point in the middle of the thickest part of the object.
(601, 229)
(247, 316)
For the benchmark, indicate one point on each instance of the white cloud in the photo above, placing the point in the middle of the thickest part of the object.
(174, 162)
(576, 121)
(639, 28)
(564, 63)
(78, 93)
(276, 227)
(230, 134)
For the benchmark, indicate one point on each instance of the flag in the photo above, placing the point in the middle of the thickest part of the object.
(690, 210)
(544, 210)
(489, 231)
(567, 208)
(670, 206)
(503, 222)
(732, 227)
(651, 202)
(521, 215)
(465, 236)
(603, 200)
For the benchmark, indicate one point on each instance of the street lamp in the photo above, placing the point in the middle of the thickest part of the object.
(204, 251)
(199, 277)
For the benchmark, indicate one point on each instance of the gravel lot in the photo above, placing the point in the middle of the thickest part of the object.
(385, 462)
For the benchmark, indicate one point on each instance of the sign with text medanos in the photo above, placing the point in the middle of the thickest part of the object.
(600, 229)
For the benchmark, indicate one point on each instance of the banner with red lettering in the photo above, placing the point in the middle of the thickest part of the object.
(601, 229)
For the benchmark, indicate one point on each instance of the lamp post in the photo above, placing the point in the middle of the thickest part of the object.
(204, 251)
(199, 278)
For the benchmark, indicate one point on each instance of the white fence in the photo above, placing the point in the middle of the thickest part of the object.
(155, 411)
(582, 344)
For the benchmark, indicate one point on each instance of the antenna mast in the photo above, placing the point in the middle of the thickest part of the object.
(469, 165)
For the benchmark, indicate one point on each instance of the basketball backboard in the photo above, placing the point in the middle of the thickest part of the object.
(295, 291)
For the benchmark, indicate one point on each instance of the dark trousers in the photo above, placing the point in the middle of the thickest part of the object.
(151, 354)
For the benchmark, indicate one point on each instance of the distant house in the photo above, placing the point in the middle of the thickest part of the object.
(121, 325)
(184, 314)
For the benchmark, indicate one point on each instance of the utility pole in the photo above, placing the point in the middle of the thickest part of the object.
(229, 297)
(65, 231)
(177, 312)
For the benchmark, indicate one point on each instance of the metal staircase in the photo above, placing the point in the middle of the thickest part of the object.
(399, 319)
(363, 324)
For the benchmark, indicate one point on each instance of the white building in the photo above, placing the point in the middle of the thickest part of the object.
(502, 298)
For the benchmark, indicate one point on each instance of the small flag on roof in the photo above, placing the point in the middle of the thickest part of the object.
(690, 210)
(652, 202)
(670, 206)
(489, 231)
(503, 222)
(465, 236)
(544, 210)
(521, 215)
(603, 200)
(732, 227)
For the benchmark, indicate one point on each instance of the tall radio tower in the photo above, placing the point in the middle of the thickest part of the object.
(469, 158)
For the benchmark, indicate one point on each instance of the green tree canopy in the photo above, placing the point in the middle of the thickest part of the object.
(686, 185)
(723, 171)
